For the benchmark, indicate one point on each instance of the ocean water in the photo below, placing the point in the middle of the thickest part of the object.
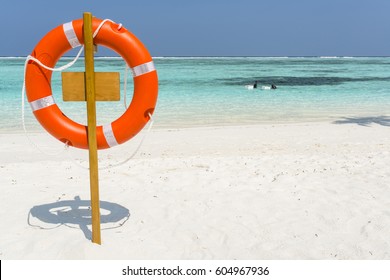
(212, 91)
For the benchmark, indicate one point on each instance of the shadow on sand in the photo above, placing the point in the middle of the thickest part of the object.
(365, 121)
(77, 213)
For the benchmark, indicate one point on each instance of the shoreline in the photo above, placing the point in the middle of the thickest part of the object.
(34, 127)
(267, 191)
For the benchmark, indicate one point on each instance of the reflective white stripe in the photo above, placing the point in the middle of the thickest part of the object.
(71, 35)
(42, 103)
(109, 135)
(143, 69)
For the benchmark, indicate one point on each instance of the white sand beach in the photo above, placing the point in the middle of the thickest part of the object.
(281, 191)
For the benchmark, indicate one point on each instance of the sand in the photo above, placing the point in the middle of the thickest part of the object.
(281, 191)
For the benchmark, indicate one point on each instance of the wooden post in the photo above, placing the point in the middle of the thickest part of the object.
(91, 112)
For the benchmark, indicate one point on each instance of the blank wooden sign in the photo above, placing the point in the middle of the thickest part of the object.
(107, 86)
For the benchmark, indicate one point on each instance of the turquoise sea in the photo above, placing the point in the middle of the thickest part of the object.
(211, 91)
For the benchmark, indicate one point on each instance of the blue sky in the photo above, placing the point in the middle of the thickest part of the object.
(215, 27)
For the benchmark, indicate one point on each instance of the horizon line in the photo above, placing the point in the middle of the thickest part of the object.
(211, 56)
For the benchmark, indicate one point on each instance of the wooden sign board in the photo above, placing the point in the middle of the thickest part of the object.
(107, 86)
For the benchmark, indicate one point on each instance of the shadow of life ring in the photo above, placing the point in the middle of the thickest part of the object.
(77, 212)
(113, 36)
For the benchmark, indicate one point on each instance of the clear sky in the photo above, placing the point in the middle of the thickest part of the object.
(215, 27)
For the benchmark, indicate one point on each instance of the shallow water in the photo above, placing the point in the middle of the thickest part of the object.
(210, 91)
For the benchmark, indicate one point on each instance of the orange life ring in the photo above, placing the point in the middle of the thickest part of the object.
(39, 93)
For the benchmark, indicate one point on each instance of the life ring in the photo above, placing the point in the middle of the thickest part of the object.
(111, 35)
